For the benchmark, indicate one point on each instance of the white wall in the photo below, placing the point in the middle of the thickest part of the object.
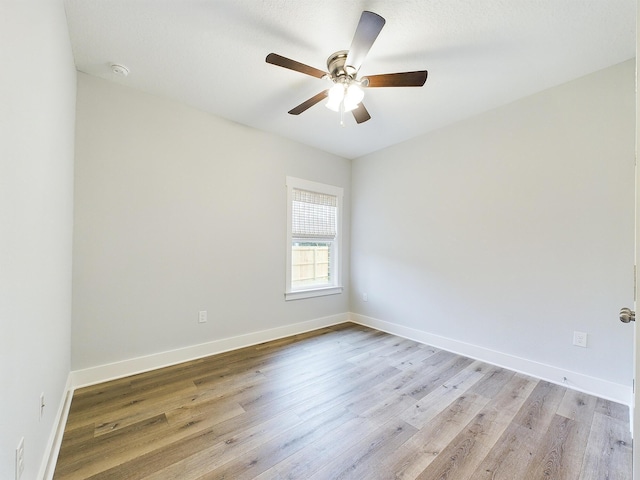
(178, 211)
(509, 230)
(37, 108)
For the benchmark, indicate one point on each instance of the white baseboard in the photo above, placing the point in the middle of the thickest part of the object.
(595, 386)
(132, 366)
(577, 381)
(48, 464)
(79, 378)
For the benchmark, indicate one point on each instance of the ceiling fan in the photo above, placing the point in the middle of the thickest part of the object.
(346, 93)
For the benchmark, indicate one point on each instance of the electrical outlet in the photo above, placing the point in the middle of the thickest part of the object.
(42, 405)
(580, 339)
(202, 316)
(365, 297)
(20, 459)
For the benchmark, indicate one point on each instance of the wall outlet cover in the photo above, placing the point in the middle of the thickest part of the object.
(580, 339)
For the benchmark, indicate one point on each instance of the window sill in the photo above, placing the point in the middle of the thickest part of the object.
(316, 292)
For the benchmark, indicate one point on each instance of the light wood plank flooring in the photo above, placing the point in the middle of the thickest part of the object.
(345, 402)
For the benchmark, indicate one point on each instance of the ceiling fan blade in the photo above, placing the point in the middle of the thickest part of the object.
(366, 33)
(360, 113)
(285, 62)
(404, 79)
(309, 103)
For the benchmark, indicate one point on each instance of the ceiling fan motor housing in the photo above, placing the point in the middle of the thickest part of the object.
(336, 65)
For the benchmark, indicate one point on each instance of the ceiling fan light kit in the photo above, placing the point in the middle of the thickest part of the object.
(346, 94)
(343, 97)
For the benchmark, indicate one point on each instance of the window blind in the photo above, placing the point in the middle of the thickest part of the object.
(314, 215)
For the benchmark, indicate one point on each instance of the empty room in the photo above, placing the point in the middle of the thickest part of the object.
(317, 240)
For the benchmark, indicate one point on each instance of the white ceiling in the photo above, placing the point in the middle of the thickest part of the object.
(480, 54)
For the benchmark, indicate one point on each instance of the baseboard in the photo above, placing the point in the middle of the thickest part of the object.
(79, 378)
(595, 386)
(577, 381)
(111, 371)
(48, 464)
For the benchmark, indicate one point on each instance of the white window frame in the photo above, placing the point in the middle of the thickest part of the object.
(336, 256)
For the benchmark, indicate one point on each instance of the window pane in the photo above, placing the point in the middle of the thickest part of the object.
(310, 263)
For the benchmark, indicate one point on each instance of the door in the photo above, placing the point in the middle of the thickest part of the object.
(635, 410)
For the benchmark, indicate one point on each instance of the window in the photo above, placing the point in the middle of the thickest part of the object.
(313, 239)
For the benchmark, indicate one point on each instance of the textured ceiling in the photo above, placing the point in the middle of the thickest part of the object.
(480, 54)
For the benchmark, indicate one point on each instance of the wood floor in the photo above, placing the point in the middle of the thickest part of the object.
(344, 402)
